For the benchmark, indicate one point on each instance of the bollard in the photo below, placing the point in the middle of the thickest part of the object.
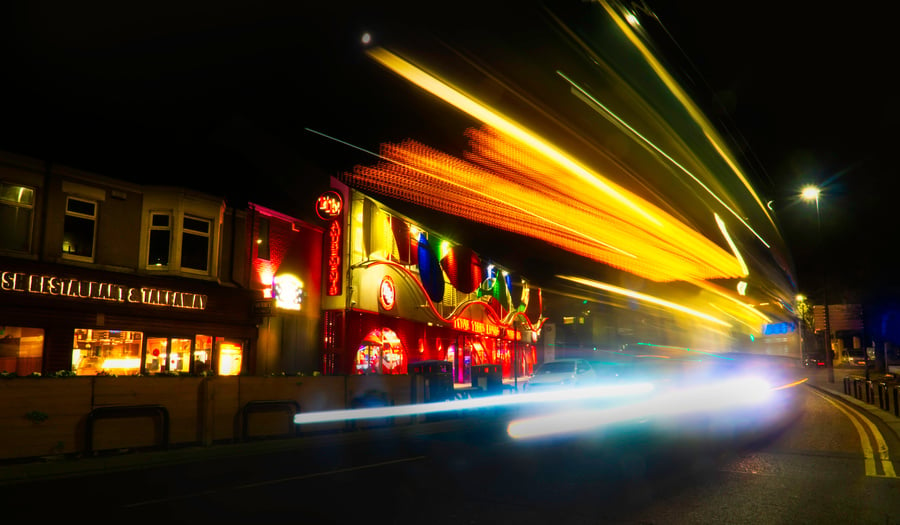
(896, 391)
(847, 385)
(870, 392)
(883, 401)
(857, 388)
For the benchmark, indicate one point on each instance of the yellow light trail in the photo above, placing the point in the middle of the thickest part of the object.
(644, 297)
(516, 181)
(686, 102)
(491, 118)
(596, 105)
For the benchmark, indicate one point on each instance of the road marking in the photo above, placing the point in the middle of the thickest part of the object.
(868, 453)
(274, 481)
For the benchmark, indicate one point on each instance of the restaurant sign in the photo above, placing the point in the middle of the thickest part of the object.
(80, 289)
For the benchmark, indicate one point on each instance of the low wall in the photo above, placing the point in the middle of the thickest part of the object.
(77, 415)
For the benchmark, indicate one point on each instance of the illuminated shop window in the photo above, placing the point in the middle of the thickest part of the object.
(262, 239)
(167, 354)
(230, 356)
(381, 352)
(79, 229)
(203, 349)
(195, 244)
(157, 352)
(116, 352)
(16, 212)
(179, 358)
(160, 240)
(21, 350)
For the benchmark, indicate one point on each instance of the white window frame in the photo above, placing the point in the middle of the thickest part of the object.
(19, 204)
(151, 228)
(67, 255)
(208, 234)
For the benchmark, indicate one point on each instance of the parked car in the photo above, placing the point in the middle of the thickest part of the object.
(814, 361)
(561, 373)
(855, 357)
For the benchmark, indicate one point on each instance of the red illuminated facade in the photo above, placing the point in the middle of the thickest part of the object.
(285, 256)
(410, 295)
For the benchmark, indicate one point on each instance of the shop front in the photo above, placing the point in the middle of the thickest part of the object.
(378, 344)
(396, 294)
(62, 318)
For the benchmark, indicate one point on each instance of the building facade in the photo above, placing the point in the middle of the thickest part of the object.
(395, 293)
(100, 276)
(285, 269)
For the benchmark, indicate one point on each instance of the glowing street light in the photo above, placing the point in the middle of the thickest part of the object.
(811, 193)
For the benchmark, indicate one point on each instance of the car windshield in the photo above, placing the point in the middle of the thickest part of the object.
(556, 367)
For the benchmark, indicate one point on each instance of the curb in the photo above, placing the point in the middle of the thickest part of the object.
(888, 418)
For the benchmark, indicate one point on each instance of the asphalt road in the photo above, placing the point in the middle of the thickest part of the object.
(811, 465)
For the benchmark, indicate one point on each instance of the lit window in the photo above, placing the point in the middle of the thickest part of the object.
(79, 229)
(262, 239)
(230, 356)
(167, 354)
(16, 207)
(160, 240)
(114, 352)
(203, 349)
(195, 244)
(21, 350)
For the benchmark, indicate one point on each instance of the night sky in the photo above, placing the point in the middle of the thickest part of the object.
(218, 96)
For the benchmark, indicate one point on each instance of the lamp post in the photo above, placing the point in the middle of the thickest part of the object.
(801, 309)
(811, 193)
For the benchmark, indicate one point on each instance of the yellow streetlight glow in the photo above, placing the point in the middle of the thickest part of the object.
(810, 193)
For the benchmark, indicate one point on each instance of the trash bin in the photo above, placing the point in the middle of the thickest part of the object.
(488, 378)
(437, 380)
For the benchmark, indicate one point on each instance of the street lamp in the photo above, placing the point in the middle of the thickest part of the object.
(811, 193)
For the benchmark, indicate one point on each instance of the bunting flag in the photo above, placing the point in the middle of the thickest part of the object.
(534, 308)
(403, 250)
(430, 272)
(495, 291)
(463, 268)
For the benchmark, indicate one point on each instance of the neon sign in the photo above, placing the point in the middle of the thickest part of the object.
(103, 291)
(486, 328)
(387, 294)
(334, 259)
(329, 205)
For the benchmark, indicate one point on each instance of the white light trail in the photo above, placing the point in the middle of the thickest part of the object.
(577, 394)
(706, 398)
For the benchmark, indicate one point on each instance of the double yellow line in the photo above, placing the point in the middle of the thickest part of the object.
(869, 453)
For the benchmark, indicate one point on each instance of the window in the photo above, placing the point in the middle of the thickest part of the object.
(262, 239)
(230, 353)
(116, 352)
(16, 208)
(160, 240)
(168, 354)
(203, 350)
(195, 244)
(79, 228)
(21, 350)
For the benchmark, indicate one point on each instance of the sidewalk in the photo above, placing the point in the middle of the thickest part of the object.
(63, 467)
(69, 467)
(818, 379)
